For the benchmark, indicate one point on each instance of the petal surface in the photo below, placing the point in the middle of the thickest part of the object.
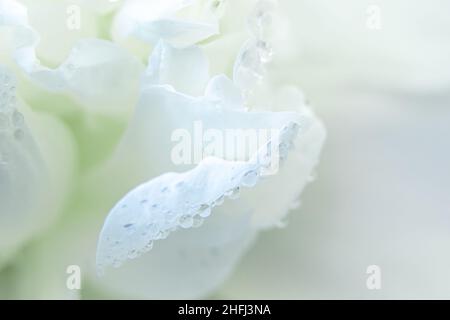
(36, 165)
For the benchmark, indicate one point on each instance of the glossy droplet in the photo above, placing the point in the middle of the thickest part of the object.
(132, 254)
(186, 221)
(234, 193)
(161, 234)
(17, 119)
(265, 51)
(198, 221)
(219, 201)
(148, 246)
(250, 179)
(204, 211)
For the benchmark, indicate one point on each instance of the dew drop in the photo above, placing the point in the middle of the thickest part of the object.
(234, 193)
(219, 201)
(162, 234)
(204, 211)
(265, 52)
(198, 221)
(148, 246)
(250, 179)
(186, 221)
(17, 119)
(132, 254)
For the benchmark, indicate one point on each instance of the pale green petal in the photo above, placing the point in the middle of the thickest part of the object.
(98, 74)
(56, 22)
(36, 166)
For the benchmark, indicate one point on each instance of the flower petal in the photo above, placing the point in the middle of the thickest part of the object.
(188, 264)
(150, 21)
(97, 73)
(36, 163)
(177, 67)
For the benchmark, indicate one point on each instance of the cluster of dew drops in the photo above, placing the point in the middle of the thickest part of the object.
(193, 219)
(258, 51)
(197, 213)
(11, 120)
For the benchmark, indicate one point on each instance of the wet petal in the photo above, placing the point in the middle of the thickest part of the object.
(154, 209)
(101, 76)
(68, 23)
(36, 164)
(189, 264)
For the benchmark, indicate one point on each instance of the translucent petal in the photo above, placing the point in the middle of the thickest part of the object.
(189, 264)
(62, 22)
(99, 74)
(102, 76)
(158, 206)
(184, 69)
(150, 21)
(36, 164)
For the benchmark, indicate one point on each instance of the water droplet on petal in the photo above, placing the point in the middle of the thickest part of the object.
(250, 179)
(148, 246)
(204, 211)
(132, 254)
(186, 221)
(198, 221)
(234, 193)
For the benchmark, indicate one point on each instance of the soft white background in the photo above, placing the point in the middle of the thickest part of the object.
(382, 194)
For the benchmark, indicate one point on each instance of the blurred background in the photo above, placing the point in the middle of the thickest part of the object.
(378, 74)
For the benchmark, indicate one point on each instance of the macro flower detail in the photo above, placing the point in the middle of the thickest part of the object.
(180, 156)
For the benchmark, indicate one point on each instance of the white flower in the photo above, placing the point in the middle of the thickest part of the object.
(96, 137)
